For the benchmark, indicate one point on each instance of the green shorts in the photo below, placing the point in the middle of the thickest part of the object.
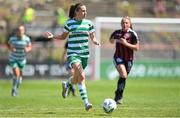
(19, 64)
(78, 59)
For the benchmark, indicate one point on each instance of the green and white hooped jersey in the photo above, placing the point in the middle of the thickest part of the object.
(78, 37)
(18, 44)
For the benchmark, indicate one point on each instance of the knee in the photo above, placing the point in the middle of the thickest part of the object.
(74, 82)
(81, 79)
(124, 75)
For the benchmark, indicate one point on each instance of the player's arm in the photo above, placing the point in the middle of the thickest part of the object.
(63, 57)
(10, 47)
(93, 38)
(28, 48)
(112, 38)
(133, 46)
(62, 36)
(129, 45)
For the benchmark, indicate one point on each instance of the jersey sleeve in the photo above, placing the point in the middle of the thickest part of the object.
(113, 35)
(135, 38)
(10, 40)
(91, 27)
(28, 40)
(66, 28)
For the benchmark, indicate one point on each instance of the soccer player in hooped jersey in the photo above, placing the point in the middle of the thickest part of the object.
(78, 30)
(127, 41)
(70, 70)
(19, 46)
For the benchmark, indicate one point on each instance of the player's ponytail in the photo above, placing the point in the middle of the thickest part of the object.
(127, 17)
(74, 8)
(129, 21)
(72, 11)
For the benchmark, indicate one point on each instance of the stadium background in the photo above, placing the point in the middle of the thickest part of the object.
(160, 50)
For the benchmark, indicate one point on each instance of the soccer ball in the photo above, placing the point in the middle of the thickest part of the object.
(109, 105)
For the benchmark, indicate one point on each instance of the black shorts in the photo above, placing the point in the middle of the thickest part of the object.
(128, 64)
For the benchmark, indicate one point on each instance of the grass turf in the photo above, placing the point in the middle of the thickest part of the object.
(42, 98)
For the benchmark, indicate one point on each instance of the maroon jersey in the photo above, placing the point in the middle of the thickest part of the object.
(122, 51)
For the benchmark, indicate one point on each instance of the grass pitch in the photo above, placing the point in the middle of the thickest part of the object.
(42, 98)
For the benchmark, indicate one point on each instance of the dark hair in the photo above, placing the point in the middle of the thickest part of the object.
(74, 8)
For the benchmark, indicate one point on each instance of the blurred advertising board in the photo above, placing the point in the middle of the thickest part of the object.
(143, 69)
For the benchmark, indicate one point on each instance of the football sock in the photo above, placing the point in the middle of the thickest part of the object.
(18, 82)
(73, 87)
(120, 88)
(121, 84)
(83, 93)
(69, 84)
(15, 83)
(69, 79)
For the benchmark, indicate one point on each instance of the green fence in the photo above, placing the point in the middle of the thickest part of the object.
(143, 69)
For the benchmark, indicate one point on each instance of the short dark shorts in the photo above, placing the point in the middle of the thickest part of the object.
(128, 64)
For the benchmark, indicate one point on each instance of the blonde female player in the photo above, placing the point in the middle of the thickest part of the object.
(127, 42)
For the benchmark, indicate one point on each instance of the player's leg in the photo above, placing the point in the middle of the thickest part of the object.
(68, 86)
(84, 62)
(16, 74)
(123, 70)
(71, 87)
(21, 77)
(72, 80)
(73, 90)
(21, 65)
(71, 83)
(79, 70)
(121, 83)
(119, 64)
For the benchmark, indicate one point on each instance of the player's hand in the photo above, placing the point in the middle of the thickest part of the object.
(123, 41)
(13, 49)
(26, 49)
(48, 35)
(96, 43)
(111, 40)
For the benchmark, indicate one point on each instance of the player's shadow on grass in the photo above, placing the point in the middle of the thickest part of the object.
(49, 112)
